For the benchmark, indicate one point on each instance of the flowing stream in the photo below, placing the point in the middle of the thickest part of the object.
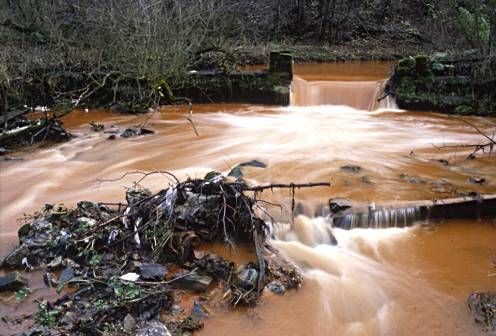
(388, 281)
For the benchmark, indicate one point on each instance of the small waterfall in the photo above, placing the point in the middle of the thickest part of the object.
(361, 95)
(380, 218)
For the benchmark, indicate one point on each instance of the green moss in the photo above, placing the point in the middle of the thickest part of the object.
(422, 65)
(406, 87)
(406, 66)
(464, 109)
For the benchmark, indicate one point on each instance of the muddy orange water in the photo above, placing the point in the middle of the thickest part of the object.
(410, 281)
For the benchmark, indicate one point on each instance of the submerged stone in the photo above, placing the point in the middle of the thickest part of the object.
(236, 172)
(12, 281)
(412, 179)
(195, 282)
(477, 179)
(14, 258)
(253, 163)
(351, 168)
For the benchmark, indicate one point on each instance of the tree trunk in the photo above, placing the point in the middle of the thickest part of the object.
(324, 13)
(301, 4)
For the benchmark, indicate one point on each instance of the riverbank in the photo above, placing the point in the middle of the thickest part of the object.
(358, 50)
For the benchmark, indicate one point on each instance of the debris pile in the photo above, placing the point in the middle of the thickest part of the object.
(20, 131)
(122, 266)
(483, 307)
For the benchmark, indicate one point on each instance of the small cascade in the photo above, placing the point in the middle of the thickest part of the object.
(380, 218)
(308, 231)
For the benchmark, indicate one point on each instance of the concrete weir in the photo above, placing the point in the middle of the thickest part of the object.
(408, 213)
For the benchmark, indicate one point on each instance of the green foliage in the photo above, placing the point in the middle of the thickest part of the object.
(422, 64)
(95, 260)
(464, 109)
(46, 316)
(124, 291)
(22, 294)
(406, 87)
(474, 25)
(406, 66)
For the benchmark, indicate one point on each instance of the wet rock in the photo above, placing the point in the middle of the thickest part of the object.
(66, 275)
(477, 179)
(276, 287)
(129, 323)
(12, 281)
(14, 258)
(38, 233)
(111, 137)
(195, 282)
(236, 172)
(55, 263)
(248, 278)
(483, 306)
(337, 205)
(152, 272)
(213, 265)
(153, 328)
(253, 163)
(412, 179)
(351, 168)
(135, 131)
(443, 162)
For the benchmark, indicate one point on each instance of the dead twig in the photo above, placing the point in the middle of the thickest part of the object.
(283, 186)
(138, 172)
